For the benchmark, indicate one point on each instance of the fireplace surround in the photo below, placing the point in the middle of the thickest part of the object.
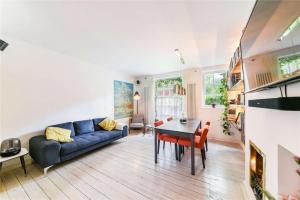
(257, 171)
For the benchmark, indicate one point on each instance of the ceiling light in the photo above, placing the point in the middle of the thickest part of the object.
(290, 28)
(177, 52)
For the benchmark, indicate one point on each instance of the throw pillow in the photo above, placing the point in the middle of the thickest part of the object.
(108, 124)
(58, 134)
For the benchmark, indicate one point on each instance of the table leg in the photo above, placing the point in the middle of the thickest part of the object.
(192, 155)
(155, 147)
(23, 164)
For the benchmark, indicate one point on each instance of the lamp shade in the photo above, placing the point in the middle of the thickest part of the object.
(137, 96)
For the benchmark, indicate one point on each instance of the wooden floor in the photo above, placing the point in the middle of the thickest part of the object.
(126, 170)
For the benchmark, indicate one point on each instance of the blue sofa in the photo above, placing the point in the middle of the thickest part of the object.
(87, 135)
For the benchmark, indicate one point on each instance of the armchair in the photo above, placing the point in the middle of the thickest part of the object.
(137, 122)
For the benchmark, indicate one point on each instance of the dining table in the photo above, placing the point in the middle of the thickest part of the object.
(181, 129)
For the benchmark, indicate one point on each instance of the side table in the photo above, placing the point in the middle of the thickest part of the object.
(149, 127)
(20, 155)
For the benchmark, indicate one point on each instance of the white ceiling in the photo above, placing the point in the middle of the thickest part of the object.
(138, 37)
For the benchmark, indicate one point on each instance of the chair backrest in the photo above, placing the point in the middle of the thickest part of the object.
(203, 137)
(169, 119)
(138, 118)
(158, 123)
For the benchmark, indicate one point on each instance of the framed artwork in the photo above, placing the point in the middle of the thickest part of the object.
(123, 99)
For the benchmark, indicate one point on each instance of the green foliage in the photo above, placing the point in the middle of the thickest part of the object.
(212, 82)
(286, 62)
(167, 82)
(223, 89)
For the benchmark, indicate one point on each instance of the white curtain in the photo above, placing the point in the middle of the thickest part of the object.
(167, 103)
(191, 101)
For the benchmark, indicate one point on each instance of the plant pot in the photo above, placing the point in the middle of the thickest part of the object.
(213, 105)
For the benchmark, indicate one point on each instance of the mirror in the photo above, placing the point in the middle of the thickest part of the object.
(271, 43)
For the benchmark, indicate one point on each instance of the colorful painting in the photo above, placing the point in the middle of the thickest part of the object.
(123, 99)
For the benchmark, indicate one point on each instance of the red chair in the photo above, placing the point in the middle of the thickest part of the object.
(165, 138)
(207, 125)
(199, 143)
(169, 119)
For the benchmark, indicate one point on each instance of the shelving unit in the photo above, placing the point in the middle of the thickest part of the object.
(236, 94)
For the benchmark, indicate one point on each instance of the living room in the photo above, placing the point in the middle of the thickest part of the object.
(150, 99)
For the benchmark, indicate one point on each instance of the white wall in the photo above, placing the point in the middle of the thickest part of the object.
(269, 128)
(40, 87)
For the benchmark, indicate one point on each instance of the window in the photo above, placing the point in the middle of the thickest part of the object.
(212, 83)
(167, 103)
(289, 64)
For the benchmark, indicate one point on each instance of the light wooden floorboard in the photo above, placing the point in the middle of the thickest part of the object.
(126, 170)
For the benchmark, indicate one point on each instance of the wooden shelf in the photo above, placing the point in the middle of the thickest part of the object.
(239, 86)
(237, 68)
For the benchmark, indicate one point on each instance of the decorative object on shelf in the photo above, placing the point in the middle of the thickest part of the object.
(137, 97)
(224, 101)
(123, 101)
(178, 89)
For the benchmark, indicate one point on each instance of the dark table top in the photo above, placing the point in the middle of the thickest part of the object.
(176, 126)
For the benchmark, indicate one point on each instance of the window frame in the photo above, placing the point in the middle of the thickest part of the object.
(203, 105)
(172, 76)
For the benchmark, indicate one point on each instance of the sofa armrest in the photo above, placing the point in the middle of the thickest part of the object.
(125, 131)
(44, 152)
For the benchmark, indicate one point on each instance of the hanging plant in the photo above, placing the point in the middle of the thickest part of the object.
(223, 89)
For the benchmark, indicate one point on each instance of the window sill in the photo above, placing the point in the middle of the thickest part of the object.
(210, 107)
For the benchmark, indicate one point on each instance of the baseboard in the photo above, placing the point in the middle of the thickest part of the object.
(224, 141)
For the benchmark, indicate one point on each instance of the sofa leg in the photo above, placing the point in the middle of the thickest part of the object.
(46, 169)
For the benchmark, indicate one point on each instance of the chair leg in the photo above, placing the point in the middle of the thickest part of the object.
(203, 157)
(176, 151)
(158, 145)
(179, 154)
(164, 144)
(206, 145)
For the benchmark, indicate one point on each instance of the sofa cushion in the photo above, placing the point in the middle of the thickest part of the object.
(83, 127)
(79, 143)
(96, 122)
(108, 134)
(67, 125)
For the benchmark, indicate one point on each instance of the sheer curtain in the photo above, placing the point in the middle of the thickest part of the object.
(167, 103)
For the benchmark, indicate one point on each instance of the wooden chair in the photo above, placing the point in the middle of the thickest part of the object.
(137, 122)
(199, 143)
(168, 119)
(166, 137)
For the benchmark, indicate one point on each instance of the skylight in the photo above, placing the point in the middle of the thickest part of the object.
(291, 27)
